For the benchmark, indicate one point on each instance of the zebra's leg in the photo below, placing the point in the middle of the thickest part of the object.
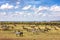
(17, 35)
(21, 34)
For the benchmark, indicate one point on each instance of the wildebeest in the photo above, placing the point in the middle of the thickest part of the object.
(5, 27)
(47, 28)
(55, 28)
(35, 31)
(24, 28)
(44, 30)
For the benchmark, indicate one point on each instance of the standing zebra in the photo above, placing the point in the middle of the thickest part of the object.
(19, 33)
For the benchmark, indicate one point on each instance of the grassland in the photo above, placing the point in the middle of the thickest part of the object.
(52, 34)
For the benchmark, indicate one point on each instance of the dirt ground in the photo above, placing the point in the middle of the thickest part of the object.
(29, 39)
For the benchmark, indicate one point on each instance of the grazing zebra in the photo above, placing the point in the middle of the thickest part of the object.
(19, 33)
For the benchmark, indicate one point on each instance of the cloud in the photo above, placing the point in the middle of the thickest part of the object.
(6, 6)
(40, 13)
(42, 8)
(21, 14)
(16, 6)
(26, 7)
(46, 12)
(55, 8)
(17, 13)
(17, 2)
(55, 14)
(39, 9)
(34, 13)
(29, 14)
(2, 13)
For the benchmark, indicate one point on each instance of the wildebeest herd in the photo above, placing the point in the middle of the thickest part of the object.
(30, 28)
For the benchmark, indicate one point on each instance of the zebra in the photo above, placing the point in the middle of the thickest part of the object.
(19, 33)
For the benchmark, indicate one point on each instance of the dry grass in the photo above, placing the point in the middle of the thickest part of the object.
(51, 35)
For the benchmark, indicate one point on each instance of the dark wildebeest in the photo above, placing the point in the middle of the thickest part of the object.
(55, 28)
(25, 28)
(46, 29)
(19, 33)
(5, 27)
(35, 31)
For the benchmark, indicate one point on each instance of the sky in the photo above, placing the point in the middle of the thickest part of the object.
(29, 10)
